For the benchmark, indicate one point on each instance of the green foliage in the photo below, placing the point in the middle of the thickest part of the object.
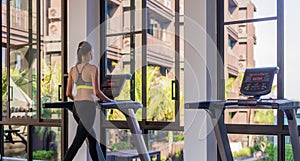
(163, 158)
(159, 104)
(47, 155)
(121, 145)
(4, 88)
(271, 152)
(229, 84)
(288, 152)
(246, 151)
(264, 116)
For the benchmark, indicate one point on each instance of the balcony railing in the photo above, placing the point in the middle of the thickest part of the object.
(19, 19)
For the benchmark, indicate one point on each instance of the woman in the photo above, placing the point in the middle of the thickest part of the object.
(85, 77)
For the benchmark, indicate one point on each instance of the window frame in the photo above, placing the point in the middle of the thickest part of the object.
(280, 130)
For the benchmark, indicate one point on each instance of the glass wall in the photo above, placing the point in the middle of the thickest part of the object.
(253, 147)
(15, 142)
(254, 36)
(145, 38)
(291, 48)
(31, 75)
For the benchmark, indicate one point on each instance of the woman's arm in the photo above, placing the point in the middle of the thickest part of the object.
(96, 90)
(70, 85)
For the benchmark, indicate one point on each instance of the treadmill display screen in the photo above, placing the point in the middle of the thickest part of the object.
(113, 84)
(258, 81)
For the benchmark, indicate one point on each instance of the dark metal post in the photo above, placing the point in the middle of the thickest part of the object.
(132, 48)
(7, 60)
(103, 48)
(280, 48)
(103, 68)
(64, 67)
(220, 46)
(38, 55)
(144, 59)
(280, 75)
(29, 142)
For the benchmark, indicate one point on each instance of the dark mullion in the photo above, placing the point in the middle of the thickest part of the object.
(280, 75)
(132, 48)
(177, 63)
(280, 124)
(144, 60)
(280, 48)
(103, 47)
(64, 67)
(280, 149)
(30, 49)
(250, 20)
(103, 69)
(38, 53)
(220, 46)
(8, 56)
(29, 143)
(255, 129)
(32, 122)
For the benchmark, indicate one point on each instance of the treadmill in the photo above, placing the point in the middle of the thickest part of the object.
(256, 83)
(111, 87)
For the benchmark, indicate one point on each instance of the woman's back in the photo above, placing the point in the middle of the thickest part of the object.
(82, 75)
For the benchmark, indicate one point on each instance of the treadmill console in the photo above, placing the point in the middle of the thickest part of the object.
(258, 81)
(113, 84)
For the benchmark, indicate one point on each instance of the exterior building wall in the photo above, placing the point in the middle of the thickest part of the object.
(160, 48)
(240, 58)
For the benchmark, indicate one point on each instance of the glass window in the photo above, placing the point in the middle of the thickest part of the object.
(255, 46)
(51, 61)
(168, 143)
(288, 156)
(161, 64)
(256, 147)
(15, 142)
(291, 47)
(22, 57)
(235, 10)
(46, 143)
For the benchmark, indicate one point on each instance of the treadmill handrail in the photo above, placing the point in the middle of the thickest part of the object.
(242, 103)
(106, 105)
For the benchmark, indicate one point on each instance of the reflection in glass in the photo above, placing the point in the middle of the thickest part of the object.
(161, 62)
(254, 147)
(4, 85)
(168, 143)
(23, 89)
(119, 140)
(254, 46)
(46, 143)
(15, 142)
(22, 59)
(125, 59)
(288, 156)
(51, 71)
(235, 10)
(250, 116)
(119, 15)
(121, 144)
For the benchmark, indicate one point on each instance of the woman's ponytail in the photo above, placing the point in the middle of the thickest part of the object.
(84, 48)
